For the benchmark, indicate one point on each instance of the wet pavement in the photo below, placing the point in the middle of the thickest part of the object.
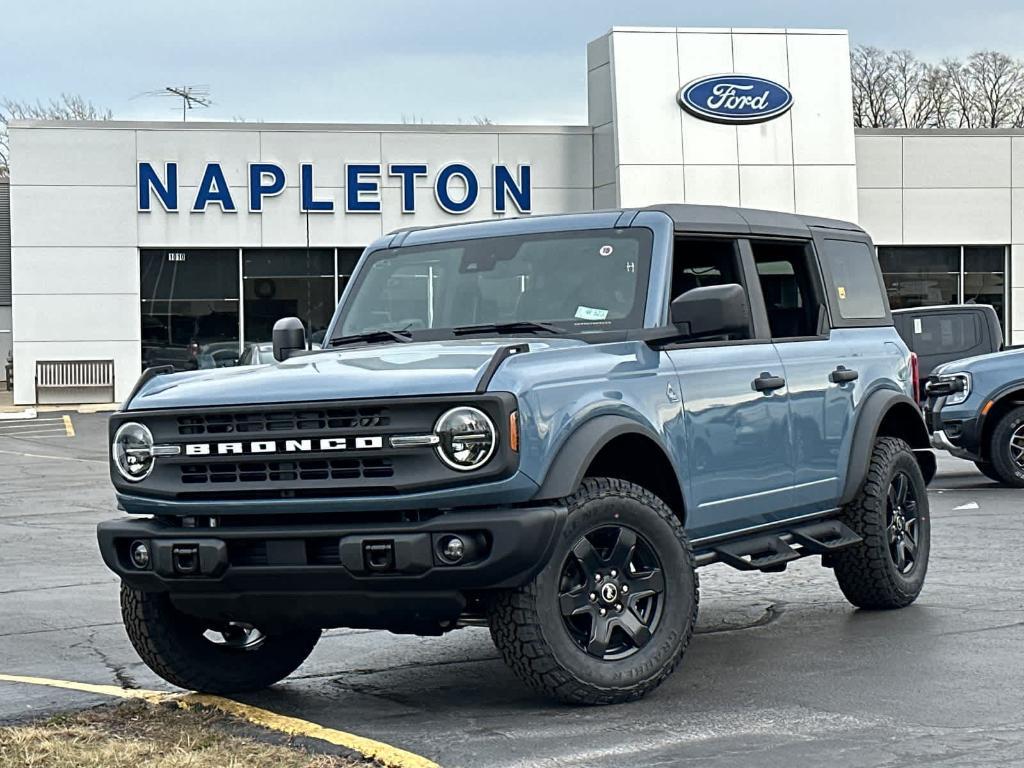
(782, 671)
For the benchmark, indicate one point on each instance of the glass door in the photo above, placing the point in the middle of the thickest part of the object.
(189, 307)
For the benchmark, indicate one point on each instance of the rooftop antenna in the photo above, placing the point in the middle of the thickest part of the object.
(191, 96)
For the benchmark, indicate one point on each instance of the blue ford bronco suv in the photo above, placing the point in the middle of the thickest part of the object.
(541, 425)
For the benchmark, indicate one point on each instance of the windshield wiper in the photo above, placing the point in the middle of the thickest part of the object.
(517, 326)
(372, 336)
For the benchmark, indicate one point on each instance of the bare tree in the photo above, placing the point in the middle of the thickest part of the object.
(873, 100)
(897, 90)
(67, 107)
(997, 82)
(936, 107)
(906, 75)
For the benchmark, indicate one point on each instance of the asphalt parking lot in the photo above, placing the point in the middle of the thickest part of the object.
(782, 672)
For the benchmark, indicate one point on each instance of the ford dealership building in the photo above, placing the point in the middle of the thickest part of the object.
(138, 244)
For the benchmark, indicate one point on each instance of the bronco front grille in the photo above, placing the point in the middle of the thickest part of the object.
(322, 449)
(286, 471)
(257, 422)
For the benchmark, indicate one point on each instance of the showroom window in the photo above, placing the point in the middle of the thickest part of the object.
(189, 307)
(918, 276)
(287, 282)
(192, 315)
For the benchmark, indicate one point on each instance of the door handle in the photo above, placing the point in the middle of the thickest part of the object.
(766, 382)
(842, 374)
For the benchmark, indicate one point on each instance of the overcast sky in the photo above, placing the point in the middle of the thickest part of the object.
(518, 61)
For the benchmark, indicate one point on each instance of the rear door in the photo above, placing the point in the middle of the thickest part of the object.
(820, 376)
(735, 405)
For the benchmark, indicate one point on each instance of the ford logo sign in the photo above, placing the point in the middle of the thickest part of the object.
(735, 99)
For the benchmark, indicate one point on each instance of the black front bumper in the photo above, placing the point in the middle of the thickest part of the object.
(388, 575)
(959, 436)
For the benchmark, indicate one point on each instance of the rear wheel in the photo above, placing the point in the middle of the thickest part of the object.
(227, 658)
(1006, 449)
(890, 513)
(611, 614)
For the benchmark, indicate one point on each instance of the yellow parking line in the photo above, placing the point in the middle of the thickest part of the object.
(293, 726)
(68, 426)
(101, 690)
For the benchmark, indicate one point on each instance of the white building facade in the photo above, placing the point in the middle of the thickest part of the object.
(139, 244)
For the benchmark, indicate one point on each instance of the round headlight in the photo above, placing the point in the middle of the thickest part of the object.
(132, 451)
(467, 438)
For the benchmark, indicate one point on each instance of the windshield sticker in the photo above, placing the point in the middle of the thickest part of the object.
(842, 291)
(606, 250)
(590, 313)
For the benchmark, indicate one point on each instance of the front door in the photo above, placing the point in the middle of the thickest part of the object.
(737, 426)
(735, 405)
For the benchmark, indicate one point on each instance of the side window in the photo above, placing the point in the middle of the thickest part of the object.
(791, 288)
(854, 276)
(698, 263)
(946, 333)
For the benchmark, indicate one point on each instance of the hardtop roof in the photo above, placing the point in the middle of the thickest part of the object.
(753, 221)
(689, 217)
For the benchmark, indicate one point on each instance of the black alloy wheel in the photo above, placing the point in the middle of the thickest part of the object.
(902, 522)
(611, 592)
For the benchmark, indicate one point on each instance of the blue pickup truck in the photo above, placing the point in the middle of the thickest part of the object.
(975, 409)
(541, 425)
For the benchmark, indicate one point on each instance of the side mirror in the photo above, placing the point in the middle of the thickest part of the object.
(289, 337)
(714, 310)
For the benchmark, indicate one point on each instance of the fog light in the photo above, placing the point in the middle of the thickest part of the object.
(453, 549)
(139, 551)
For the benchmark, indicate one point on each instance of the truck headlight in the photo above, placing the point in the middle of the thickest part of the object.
(467, 438)
(961, 387)
(132, 451)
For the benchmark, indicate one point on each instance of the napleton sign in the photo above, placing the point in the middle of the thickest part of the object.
(456, 188)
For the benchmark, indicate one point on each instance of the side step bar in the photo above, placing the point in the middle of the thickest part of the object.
(772, 552)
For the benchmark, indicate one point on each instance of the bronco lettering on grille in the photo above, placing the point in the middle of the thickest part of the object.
(284, 446)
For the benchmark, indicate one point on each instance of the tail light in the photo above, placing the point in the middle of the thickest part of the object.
(915, 376)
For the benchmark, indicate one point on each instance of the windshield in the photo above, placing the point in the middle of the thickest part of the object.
(590, 280)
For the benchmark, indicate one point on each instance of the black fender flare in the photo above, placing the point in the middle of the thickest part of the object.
(996, 398)
(565, 473)
(872, 413)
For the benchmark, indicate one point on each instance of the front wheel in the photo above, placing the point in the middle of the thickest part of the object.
(189, 653)
(610, 616)
(890, 512)
(1006, 449)
(988, 471)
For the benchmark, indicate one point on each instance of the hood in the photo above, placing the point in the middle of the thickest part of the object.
(381, 370)
(993, 360)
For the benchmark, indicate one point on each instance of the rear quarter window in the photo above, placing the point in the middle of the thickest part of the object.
(853, 273)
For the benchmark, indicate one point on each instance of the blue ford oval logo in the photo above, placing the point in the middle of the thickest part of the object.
(735, 98)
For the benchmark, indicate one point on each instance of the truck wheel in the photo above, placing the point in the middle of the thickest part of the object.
(986, 468)
(890, 512)
(610, 615)
(1006, 450)
(186, 652)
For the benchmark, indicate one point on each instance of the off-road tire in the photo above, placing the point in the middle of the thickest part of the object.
(986, 468)
(866, 572)
(173, 646)
(526, 623)
(1008, 472)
